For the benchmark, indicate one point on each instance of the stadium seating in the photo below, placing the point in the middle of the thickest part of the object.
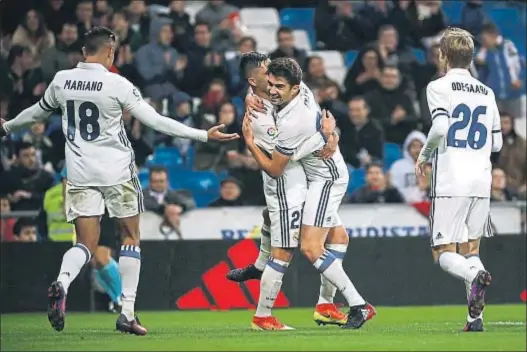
(143, 175)
(334, 63)
(300, 18)
(392, 153)
(259, 17)
(350, 57)
(302, 39)
(204, 185)
(265, 37)
(420, 55)
(166, 156)
(357, 179)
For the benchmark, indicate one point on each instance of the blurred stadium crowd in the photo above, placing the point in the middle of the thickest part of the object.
(367, 61)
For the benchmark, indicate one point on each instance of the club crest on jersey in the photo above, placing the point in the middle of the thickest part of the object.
(271, 132)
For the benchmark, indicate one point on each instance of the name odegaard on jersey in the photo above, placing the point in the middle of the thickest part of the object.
(467, 87)
(83, 85)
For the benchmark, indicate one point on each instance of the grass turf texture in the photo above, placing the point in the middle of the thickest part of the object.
(401, 328)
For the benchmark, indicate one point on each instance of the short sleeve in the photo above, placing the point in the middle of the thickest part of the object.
(128, 95)
(49, 101)
(438, 101)
(496, 120)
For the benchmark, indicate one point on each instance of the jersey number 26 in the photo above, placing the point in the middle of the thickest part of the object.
(89, 127)
(477, 132)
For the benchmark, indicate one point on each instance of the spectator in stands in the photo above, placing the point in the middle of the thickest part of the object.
(139, 18)
(372, 15)
(214, 97)
(230, 194)
(25, 230)
(417, 20)
(158, 64)
(167, 203)
(336, 26)
(392, 106)
(214, 13)
(135, 132)
(103, 13)
(286, 47)
(500, 68)
(237, 85)
(402, 173)
(6, 224)
(244, 168)
(365, 73)
(226, 34)
(315, 74)
(513, 156)
(55, 14)
(362, 139)
(59, 229)
(393, 52)
(499, 192)
(128, 43)
(26, 183)
(427, 72)
(24, 85)
(204, 63)
(46, 152)
(181, 111)
(84, 16)
(64, 55)
(328, 97)
(181, 25)
(34, 35)
(377, 189)
(215, 155)
(473, 17)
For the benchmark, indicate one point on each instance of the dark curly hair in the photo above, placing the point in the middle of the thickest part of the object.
(286, 68)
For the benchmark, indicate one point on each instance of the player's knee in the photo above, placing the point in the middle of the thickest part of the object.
(438, 250)
(338, 235)
(283, 254)
(266, 217)
(312, 251)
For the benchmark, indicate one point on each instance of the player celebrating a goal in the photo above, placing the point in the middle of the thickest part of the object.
(101, 165)
(465, 130)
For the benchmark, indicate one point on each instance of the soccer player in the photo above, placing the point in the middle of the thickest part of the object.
(101, 166)
(285, 196)
(465, 130)
(298, 118)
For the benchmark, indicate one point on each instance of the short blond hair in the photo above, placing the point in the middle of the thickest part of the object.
(457, 47)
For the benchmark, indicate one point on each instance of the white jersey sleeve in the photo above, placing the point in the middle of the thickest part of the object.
(130, 99)
(438, 104)
(497, 137)
(39, 111)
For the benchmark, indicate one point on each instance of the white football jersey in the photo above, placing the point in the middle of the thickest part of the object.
(297, 122)
(98, 152)
(461, 165)
(292, 189)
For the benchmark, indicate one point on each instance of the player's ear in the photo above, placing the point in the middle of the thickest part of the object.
(295, 89)
(252, 81)
(84, 51)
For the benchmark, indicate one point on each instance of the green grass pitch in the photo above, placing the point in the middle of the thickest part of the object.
(402, 328)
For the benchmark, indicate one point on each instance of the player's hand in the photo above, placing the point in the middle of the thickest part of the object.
(420, 168)
(247, 129)
(254, 103)
(331, 146)
(517, 84)
(328, 123)
(214, 134)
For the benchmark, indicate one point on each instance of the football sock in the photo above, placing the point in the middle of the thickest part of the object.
(331, 268)
(270, 285)
(110, 279)
(265, 248)
(474, 262)
(456, 265)
(327, 289)
(129, 267)
(72, 262)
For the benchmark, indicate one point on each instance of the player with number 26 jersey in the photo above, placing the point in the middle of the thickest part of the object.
(462, 166)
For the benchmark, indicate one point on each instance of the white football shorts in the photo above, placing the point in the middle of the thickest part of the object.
(122, 200)
(322, 203)
(459, 219)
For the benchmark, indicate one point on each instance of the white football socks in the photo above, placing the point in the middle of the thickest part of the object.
(265, 248)
(72, 262)
(456, 265)
(332, 270)
(129, 267)
(474, 262)
(270, 285)
(327, 289)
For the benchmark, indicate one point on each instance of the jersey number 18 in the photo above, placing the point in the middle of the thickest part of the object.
(477, 132)
(89, 127)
